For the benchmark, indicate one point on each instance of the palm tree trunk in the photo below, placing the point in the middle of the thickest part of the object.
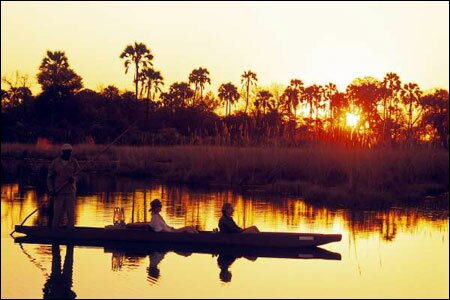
(315, 123)
(246, 102)
(148, 98)
(195, 95)
(201, 94)
(384, 119)
(410, 120)
(142, 90)
(136, 80)
(295, 110)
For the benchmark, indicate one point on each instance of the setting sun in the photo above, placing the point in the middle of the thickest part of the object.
(352, 119)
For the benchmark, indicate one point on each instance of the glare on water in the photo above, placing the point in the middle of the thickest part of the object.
(402, 252)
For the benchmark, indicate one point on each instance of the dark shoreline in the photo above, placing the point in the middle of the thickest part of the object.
(436, 196)
(332, 177)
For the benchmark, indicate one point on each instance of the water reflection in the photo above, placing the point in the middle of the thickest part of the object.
(375, 244)
(153, 271)
(130, 255)
(182, 207)
(59, 283)
(224, 262)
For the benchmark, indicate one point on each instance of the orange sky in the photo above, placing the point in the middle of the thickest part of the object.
(316, 42)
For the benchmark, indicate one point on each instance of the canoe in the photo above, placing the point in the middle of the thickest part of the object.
(123, 234)
(139, 249)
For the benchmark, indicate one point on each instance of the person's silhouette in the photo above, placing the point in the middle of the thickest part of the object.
(59, 284)
(153, 271)
(225, 261)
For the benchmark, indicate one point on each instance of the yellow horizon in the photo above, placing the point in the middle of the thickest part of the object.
(316, 42)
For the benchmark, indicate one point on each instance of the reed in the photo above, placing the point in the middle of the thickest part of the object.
(333, 175)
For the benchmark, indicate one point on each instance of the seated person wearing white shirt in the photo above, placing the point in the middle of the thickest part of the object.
(159, 225)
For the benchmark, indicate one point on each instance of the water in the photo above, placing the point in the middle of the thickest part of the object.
(403, 252)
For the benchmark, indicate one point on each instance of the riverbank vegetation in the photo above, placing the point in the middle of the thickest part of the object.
(370, 112)
(341, 176)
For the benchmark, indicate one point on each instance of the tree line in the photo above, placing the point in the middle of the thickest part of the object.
(369, 112)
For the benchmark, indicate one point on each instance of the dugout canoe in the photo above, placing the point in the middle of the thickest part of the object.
(139, 249)
(263, 239)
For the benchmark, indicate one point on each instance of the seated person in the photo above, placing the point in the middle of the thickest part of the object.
(227, 224)
(158, 224)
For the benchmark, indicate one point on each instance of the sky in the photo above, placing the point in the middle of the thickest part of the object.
(315, 42)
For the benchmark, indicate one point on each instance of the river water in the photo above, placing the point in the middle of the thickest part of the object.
(401, 252)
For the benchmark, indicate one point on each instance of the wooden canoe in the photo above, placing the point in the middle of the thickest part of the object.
(263, 239)
(143, 249)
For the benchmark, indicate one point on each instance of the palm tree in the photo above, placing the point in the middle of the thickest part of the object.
(366, 94)
(392, 86)
(329, 92)
(157, 83)
(139, 55)
(263, 99)
(411, 95)
(199, 77)
(313, 95)
(56, 75)
(298, 87)
(290, 100)
(111, 92)
(247, 79)
(228, 93)
(150, 78)
(338, 103)
(178, 95)
(435, 114)
(182, 92)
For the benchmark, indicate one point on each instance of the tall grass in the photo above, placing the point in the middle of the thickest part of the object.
(324, 174)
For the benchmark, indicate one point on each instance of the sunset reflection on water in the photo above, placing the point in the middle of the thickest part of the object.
(377, 248)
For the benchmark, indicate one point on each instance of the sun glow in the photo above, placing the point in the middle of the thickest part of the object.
(352, 119)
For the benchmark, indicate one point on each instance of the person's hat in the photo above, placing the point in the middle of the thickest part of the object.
(155, 203)
(65, 147)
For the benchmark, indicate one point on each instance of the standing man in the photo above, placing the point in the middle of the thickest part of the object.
(61, 183)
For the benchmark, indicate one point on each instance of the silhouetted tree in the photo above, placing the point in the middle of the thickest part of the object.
(411, 94)
(56, 77)
(292, 95)
(139, 55)
(329, 90)
(248, 79)
(435, 114)
(18, 91)
(199, 77)
(151, 79)
(262, 100)
(313, 95)
(177, 96)
(111, 92)
(392, 86)
(228, 94)
(210, 102)
(290, 101)
(338, 105)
